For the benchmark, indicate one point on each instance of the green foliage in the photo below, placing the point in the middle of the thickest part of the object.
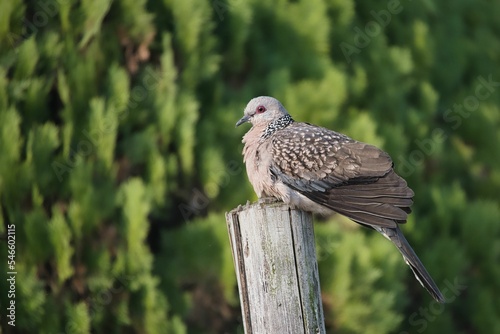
(135, 208)
(78, 318)
(118, 155)
(59, 236)
(199, 256)
(363, 282)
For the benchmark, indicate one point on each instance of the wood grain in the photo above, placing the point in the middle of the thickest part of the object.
(275, 261)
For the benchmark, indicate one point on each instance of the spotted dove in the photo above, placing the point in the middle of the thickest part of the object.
(318, 170)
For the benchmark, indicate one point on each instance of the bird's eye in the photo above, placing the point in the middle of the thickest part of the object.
(260, 109)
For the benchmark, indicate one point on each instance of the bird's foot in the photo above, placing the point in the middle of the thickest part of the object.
(268, 200)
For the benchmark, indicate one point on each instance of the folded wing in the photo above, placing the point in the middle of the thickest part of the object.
(352, 178)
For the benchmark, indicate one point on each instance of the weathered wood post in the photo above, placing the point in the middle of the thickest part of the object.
(275, 260)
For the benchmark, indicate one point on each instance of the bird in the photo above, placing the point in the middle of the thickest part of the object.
(315, 169)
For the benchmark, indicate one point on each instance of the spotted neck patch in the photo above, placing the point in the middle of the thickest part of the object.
(276, 125)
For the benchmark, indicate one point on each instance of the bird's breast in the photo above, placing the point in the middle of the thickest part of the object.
(257, 155)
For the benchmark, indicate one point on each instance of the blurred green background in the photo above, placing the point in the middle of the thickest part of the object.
(119, 156)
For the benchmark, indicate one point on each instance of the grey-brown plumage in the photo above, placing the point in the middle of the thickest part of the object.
(319, 170)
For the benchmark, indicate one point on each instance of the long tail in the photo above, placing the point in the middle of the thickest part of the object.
(397, 237)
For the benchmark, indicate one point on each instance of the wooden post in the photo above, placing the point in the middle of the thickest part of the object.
(275, 260)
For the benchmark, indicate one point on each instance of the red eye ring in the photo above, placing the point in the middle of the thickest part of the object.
(260, 109)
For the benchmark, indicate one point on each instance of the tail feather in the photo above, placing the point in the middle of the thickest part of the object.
(397, 237)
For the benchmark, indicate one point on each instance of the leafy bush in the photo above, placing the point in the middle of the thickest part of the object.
(119, 155)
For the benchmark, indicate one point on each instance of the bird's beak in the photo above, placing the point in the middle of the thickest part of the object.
(244, 119)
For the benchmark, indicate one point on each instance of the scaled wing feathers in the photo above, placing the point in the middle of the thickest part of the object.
(347, 176)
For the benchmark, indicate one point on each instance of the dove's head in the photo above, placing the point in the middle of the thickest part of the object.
(262, 110)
